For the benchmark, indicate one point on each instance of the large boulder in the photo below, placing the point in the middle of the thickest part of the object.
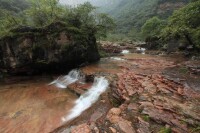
(54, 48)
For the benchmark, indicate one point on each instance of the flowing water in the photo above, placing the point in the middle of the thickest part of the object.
(141, 50)
(35, 106)
(86, 100)
(73, 76)
(125, 52)
(117, 58)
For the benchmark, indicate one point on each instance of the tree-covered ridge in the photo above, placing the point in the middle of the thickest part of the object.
(183, 27)
(132, 14)
(14, 5)
(185, 24)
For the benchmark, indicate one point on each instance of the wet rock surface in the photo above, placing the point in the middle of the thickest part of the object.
(115, 48)
(145, 99)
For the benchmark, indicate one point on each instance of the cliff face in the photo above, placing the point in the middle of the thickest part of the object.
(55, 48)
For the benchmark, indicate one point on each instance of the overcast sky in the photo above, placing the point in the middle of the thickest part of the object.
(72, 2)
(69, 2)
(94, 2)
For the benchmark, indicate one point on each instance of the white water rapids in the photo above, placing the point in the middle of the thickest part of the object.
(125, 52)
(63, 82)
(141, 50)
(87, 99)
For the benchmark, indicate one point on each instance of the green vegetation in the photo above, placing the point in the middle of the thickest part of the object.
(165, 130)
(196, 129)
(183, 70)
(185, 24)
(134, 19)
(146, 118)
(153, 27)
(14, 6)
(41, 13)
(131, 15)
(105, 24)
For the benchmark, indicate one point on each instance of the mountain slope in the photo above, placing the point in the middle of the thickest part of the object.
(13, 5)
(131, 14)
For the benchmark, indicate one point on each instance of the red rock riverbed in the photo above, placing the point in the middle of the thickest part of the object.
(145, 97)
(147, 94)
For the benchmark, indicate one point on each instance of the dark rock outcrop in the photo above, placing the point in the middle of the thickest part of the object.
(54, 48)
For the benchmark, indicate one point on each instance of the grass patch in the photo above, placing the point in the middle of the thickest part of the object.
(146, 118)
(183, 70)
(165, 130)
(196, 129)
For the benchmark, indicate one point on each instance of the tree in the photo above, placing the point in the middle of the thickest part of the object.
(134, 34)
(152, 27)
(8, 20)
(104, 24)
(185, 24)
(84, 16)
(43, 12)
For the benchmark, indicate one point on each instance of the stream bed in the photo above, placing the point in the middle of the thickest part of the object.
(45, 104)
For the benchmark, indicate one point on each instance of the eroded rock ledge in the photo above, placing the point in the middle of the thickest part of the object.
(56, 47)
(143, 100)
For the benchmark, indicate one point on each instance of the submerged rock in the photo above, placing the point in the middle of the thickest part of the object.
(57, 47)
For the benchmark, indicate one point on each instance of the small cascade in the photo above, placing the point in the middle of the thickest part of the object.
(141, 50)
(125, 52)
(86, 100)
(63, 82)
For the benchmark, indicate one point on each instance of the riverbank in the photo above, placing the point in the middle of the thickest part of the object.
(144, 96)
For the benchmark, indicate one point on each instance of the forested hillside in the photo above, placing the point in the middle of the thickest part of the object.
(13, 5)
(132, 14)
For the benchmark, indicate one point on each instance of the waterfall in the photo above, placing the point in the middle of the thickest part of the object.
(63, 82)
(86, 100)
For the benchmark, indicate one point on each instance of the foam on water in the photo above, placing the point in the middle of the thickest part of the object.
(117, 58)
(142, 50)
(63, 82)
(86, 100)
(125, 51)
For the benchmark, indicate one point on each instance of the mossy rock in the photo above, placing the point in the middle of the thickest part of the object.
(60, 46)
